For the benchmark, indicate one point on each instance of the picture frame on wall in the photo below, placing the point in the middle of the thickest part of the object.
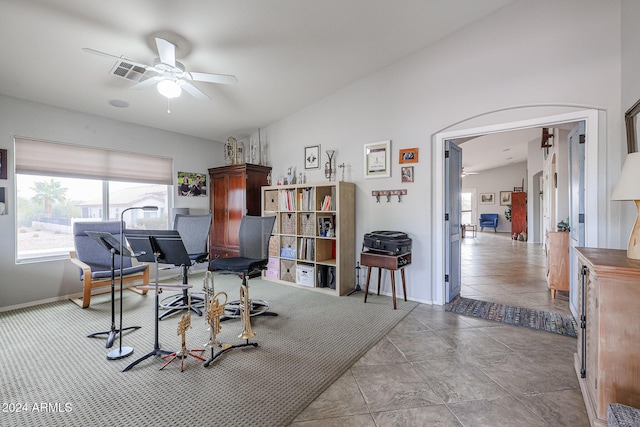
(377, 159)
(3, 164)
(487, 198)
(407, 173)
(312, 157)
(631, 127)
(192, 184)
(408, 155)
(505, 198)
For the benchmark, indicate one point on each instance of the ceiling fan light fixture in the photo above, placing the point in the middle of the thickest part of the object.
(169, 88)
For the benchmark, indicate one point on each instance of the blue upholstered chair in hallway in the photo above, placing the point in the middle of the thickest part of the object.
(488, 220)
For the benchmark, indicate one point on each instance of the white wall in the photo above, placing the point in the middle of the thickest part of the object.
(543, 53)
(494, 181)
(26, 283)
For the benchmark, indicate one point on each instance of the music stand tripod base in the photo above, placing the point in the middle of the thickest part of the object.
(162, 246)
(256, 308)
(120, 353)
(112, 335)
(226, 347)
(106, 241)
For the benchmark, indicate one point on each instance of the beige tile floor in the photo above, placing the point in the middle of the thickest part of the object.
(441, 369)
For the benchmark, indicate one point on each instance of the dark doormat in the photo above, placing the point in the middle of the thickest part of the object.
(518, 316)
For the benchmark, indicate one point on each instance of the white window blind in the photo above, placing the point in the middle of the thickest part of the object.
(57, 159)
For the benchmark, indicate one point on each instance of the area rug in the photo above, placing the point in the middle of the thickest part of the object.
(518, 316)
(52, 374)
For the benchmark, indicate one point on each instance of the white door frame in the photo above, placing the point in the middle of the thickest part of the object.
(590, 117)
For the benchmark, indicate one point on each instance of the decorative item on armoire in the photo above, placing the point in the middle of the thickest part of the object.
(230, 151)
(254, 150)
(239, 153)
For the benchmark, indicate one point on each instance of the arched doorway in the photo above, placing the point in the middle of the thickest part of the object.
(592, 131)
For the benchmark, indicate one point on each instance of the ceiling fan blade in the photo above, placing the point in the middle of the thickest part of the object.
(146, 83)
(193, 91)
(119, 58)
(214, 78)
(166, 51)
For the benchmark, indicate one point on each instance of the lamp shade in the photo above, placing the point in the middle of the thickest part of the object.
(628, 186)
(169, 88)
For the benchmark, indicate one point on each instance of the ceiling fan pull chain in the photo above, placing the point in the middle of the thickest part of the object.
(168, 106)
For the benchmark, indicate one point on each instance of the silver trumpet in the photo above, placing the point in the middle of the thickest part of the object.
(245, 313)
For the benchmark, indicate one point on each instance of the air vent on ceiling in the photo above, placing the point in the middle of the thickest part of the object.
(132, 72)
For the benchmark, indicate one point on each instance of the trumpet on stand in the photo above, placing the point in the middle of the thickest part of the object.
(183, 325)
(215, 310)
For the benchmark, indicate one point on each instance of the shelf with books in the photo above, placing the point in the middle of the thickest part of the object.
(314, 241)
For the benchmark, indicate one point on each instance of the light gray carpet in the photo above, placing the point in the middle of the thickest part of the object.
(51, 374)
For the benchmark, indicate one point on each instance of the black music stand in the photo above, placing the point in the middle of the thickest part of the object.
(166, 246)
(112, 245)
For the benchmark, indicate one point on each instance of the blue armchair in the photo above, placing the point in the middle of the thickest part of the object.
(488, 220)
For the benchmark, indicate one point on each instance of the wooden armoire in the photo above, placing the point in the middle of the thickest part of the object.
(236, 191)
(518, 212)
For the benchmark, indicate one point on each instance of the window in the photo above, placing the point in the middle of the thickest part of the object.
(69, 190)
(466, 209)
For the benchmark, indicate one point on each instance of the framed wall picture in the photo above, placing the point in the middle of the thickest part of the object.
(3, 164)
(487, 198)
(192, 184)
(505, 198)
(312, 157)
(631, 126)
(377, 159)
(408, 155)
(407, 174)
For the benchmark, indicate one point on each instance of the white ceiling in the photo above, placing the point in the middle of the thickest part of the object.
(286, 54)
(498, 149)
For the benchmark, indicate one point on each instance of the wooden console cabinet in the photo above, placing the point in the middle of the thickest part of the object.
(235, 193)
(607, 361)
(558, 261)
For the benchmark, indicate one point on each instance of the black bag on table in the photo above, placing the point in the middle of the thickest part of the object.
(388, 242)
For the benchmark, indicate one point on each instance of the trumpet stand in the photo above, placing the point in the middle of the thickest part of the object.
(215, 309)
(183, 325)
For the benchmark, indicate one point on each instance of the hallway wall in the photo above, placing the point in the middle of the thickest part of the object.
(526, 54)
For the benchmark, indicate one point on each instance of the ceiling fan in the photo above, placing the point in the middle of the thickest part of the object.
(463, 174)
(169, 75)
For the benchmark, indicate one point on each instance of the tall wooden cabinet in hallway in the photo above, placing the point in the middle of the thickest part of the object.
(235, 193)
(518, 212)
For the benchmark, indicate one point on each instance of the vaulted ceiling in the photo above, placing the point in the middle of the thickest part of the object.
(286, 54)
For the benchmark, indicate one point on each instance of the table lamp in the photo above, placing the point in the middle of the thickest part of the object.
(628, 188)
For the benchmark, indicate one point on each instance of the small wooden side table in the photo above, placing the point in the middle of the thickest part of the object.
(388, 262)
(471, 228)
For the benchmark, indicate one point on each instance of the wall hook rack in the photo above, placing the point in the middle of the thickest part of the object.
(388, 194)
